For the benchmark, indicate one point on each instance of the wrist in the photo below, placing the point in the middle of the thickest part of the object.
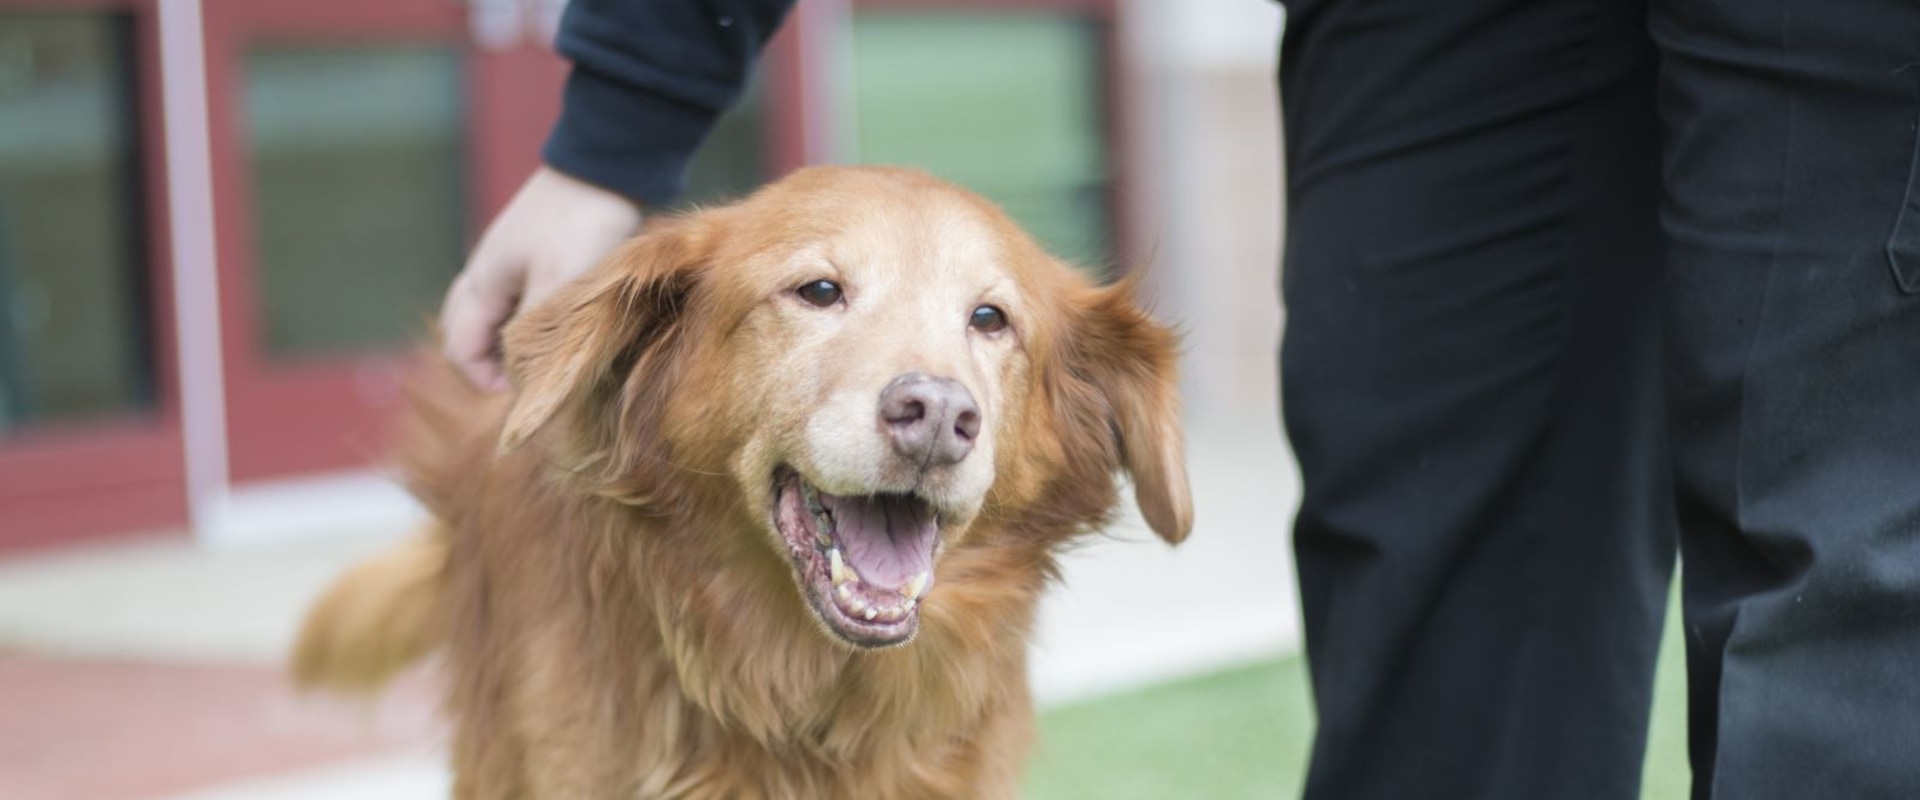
(585, 202)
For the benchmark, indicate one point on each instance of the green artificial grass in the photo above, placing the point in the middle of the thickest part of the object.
(1244, 733)
(1236, 734)
(1667, 776)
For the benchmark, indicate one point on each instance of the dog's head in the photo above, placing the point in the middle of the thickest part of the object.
(864, 363)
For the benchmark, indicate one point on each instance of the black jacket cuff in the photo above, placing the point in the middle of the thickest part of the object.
(626, 140)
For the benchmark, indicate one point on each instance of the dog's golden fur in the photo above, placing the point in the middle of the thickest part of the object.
(616, 614)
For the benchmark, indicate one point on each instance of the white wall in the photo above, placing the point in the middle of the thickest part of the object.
(1213, 127)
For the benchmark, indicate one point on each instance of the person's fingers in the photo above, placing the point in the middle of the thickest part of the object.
(555, 228)
(493, 287)
(563, 264)
(470, 332)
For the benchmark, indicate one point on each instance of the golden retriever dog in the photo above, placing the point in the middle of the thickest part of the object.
(770, 508)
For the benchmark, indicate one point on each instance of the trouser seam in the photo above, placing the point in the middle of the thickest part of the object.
(1743, 417)
(1906, 271)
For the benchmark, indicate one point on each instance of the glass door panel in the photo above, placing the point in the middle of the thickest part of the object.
(74, 343)
(359, 185)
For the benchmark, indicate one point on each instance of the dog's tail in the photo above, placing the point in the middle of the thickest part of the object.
(382, 616)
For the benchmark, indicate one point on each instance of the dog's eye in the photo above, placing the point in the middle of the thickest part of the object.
(988, 319)
(819, 293)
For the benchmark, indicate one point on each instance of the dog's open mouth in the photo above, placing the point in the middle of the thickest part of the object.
(864, 562)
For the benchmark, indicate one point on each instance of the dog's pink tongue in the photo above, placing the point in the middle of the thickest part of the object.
(888, 539)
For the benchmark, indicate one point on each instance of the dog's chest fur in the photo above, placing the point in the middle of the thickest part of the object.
(654, 662)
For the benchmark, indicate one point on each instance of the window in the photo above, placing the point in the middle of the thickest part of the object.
(73, 322)
(359, 184)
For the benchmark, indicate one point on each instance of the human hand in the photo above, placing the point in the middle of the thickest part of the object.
(554, 228)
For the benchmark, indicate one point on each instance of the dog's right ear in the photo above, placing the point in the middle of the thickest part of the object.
(574, 349)
(1127, 406)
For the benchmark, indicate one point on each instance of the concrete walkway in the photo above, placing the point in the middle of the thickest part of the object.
(1131, 611)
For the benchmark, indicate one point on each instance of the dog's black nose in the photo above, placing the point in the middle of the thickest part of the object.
(930, 420)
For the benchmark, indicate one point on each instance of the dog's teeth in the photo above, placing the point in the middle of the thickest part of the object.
(846, 590)
(870, 613)
(841, 575)
(917, 586)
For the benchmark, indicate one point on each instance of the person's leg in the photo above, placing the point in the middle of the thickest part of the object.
(1470, 379)
(1793, 216)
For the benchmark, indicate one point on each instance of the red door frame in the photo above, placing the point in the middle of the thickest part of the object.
(285, 419)
(68, 482)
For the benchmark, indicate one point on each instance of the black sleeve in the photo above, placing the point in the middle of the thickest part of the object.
(649, 79)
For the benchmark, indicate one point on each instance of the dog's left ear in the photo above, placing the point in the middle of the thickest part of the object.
(1130, 363)
(569, 355)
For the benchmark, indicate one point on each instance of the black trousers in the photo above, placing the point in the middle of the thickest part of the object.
(1558, 274)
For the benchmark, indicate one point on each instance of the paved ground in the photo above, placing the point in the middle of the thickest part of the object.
(150, 670)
